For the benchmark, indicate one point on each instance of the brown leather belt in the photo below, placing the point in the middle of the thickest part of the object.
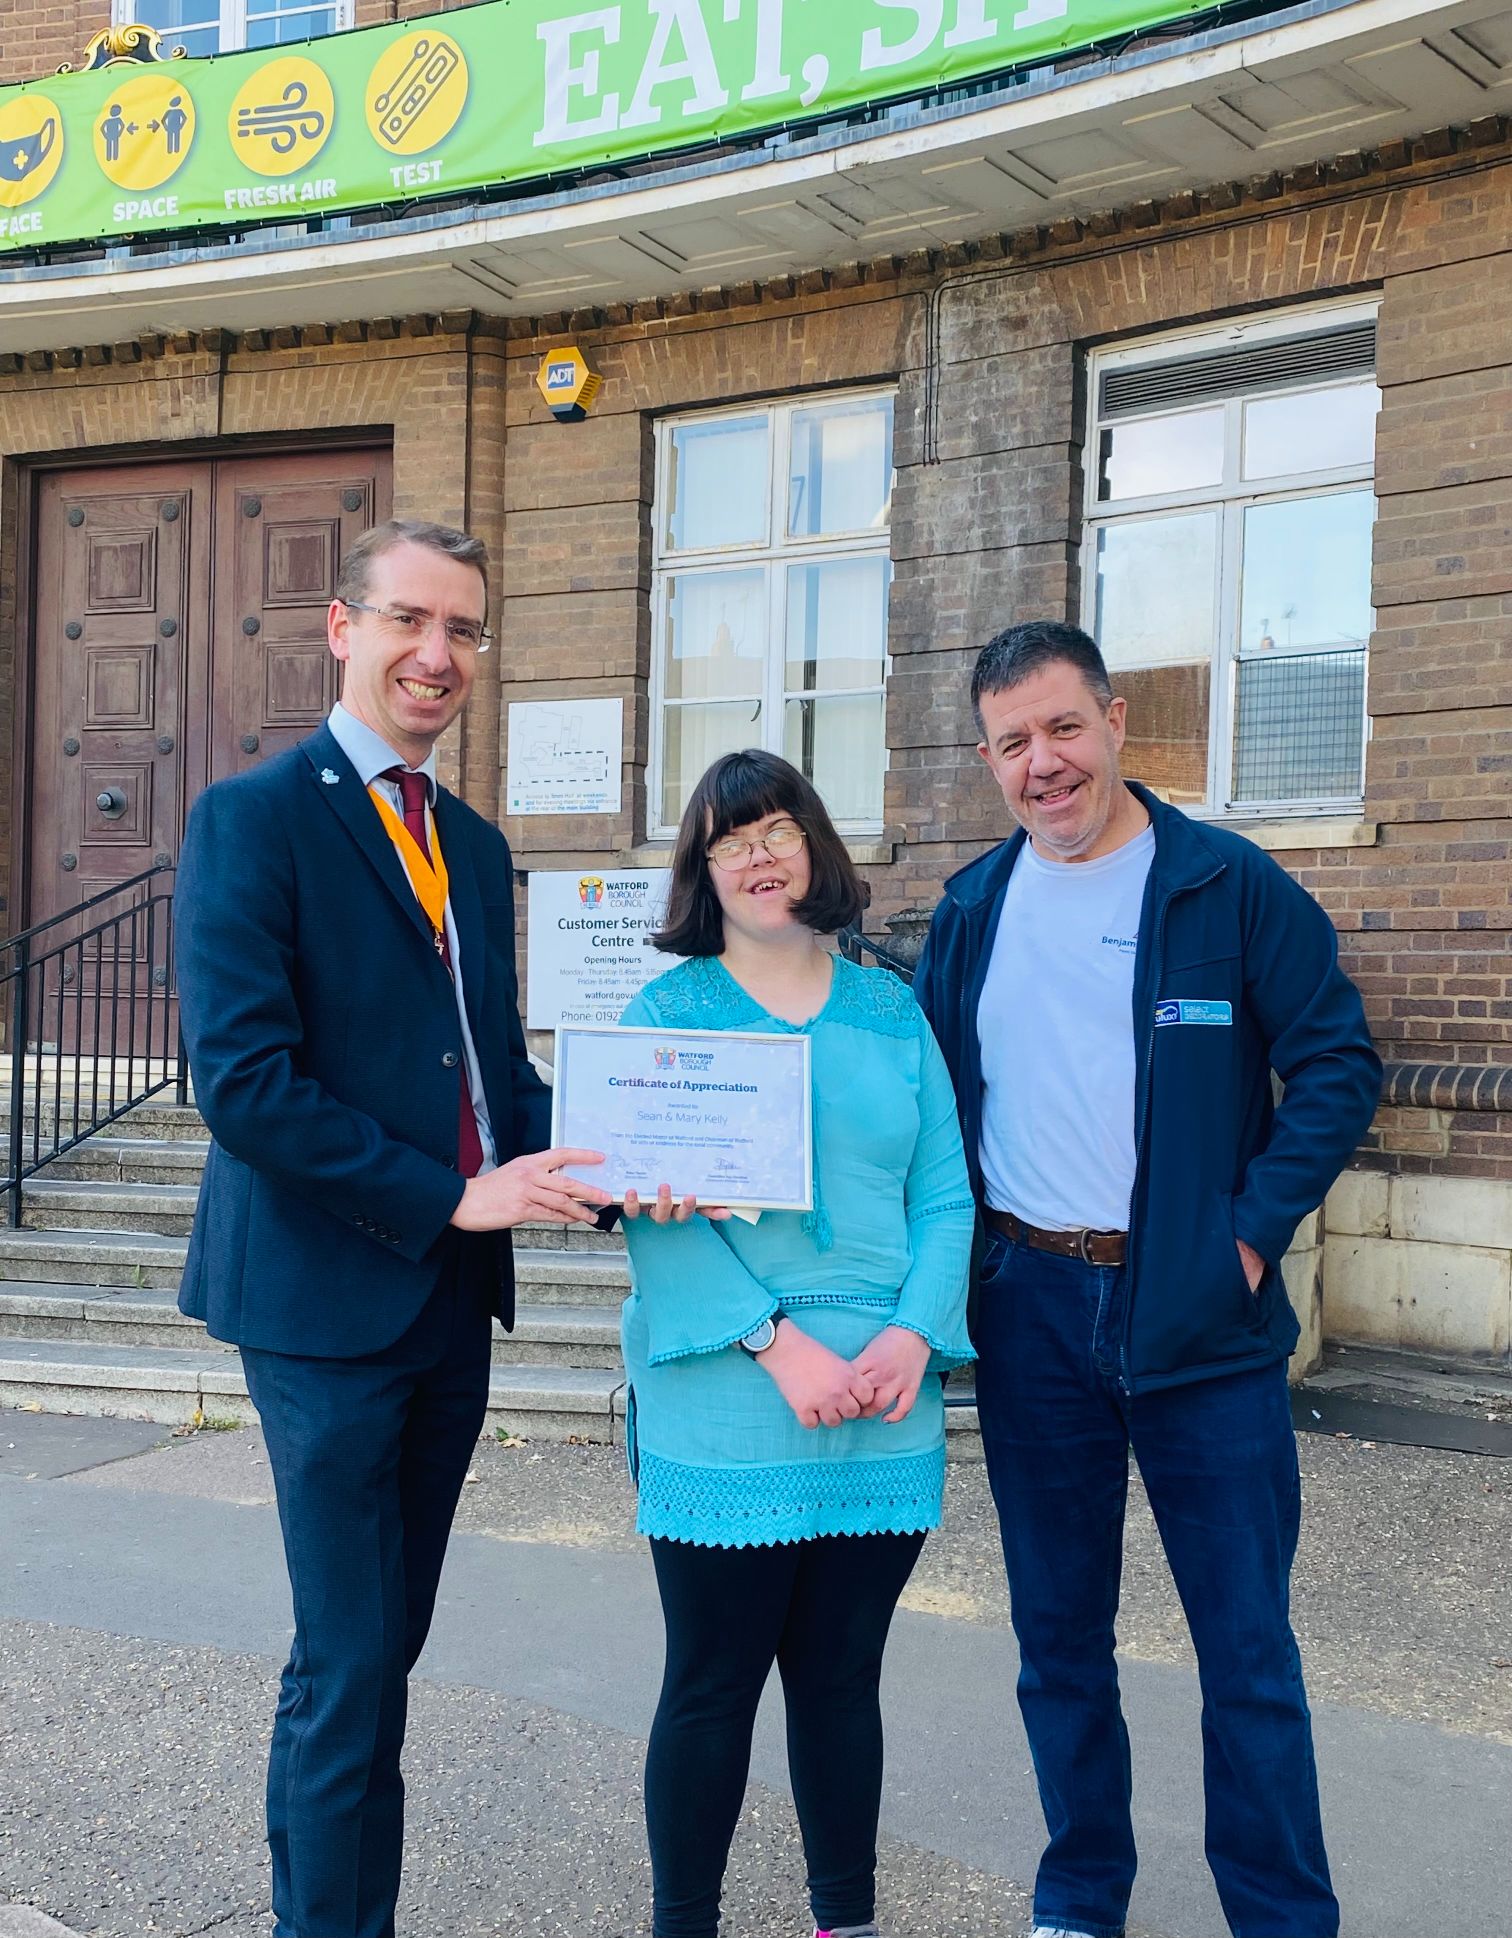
(1092, 1247)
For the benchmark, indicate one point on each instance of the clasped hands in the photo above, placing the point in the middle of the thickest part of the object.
(880, 1383)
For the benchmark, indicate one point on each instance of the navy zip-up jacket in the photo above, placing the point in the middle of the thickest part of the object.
(1236, 975)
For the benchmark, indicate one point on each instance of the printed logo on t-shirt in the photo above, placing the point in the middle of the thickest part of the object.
(1125, 942)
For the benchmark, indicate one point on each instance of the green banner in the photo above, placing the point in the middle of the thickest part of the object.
(512, 90)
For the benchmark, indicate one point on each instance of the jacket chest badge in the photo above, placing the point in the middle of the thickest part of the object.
(329, 776)
(1193, 1010)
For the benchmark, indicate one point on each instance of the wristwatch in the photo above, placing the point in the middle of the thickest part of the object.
(760, 1337)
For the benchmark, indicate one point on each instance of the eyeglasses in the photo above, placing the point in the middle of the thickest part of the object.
(782, 839)
(406, 622)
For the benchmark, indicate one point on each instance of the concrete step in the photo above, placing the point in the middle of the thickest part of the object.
(129, 1160)
(118, 1315)
(174, 1385)
(159, 1118)
(154, 1261)
(93, 1204)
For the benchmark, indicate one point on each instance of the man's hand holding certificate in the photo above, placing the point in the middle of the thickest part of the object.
(720, 1116)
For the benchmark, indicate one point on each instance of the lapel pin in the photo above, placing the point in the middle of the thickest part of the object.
(329, 776)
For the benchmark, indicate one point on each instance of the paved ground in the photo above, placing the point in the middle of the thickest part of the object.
(142, 1615)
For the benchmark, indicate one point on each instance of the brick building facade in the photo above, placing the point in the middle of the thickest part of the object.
(987, 341)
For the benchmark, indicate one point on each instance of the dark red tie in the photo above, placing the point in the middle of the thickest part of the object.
(413, 789)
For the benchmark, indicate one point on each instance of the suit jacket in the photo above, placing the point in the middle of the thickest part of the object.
(326, 1050)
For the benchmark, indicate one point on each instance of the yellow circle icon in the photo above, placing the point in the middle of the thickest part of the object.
(282, 117)
(31, 148)
(416, 92)
(144, 130)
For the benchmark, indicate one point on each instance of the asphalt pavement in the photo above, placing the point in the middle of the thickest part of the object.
(144, 1614)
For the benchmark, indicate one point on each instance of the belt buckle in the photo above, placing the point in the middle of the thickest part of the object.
(1084, 1244)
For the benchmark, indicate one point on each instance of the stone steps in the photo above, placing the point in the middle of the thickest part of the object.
(175, 1385)
(119, 1315)
(144, 1261)
(89, 1323)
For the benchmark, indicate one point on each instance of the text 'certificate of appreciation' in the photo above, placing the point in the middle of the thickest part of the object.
(719, 1115)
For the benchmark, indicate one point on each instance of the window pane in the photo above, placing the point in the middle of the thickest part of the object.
(1307, 573)
(1312, 430)
(697, 736)
(1167, 738)
(716, 635)
(836, 623)
(717, 484)
(1155, 590)
(1182, 451)
(1299, 727)
(193, 25)
(279, 30)
(838, 744)
(842, 469)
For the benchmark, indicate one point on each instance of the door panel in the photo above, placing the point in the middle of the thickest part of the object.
(180, 635)
(282, 529)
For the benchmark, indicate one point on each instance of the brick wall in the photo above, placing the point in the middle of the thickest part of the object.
(986, 534)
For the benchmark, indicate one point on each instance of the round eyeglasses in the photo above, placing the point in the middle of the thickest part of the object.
(780, 841)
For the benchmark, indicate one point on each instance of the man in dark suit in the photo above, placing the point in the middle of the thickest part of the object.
(345, 949)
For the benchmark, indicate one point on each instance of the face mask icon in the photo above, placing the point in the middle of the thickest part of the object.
(19, 156)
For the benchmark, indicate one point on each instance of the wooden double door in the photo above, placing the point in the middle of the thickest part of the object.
(179, 636)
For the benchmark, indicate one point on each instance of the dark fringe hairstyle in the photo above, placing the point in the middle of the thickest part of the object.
(738, 789)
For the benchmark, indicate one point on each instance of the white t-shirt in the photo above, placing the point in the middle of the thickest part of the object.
(1056, 1027)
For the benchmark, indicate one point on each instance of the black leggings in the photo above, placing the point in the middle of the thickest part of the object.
(821, 1609)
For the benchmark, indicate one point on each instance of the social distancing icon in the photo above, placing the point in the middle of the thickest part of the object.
(416, 92)
(144, 130)
(282, 116)
(31, 148)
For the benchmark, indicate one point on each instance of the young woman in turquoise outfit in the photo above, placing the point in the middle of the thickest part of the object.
(787, 1423)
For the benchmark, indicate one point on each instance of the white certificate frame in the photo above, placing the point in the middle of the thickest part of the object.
(798, 1047)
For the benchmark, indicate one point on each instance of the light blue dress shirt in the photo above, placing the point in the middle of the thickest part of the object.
(371, 755)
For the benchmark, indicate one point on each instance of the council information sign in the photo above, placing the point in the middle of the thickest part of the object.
(587, 951)
(509, 91)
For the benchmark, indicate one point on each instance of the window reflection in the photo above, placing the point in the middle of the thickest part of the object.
(1310, 430)
(716, 634)
(1181, 451)
(1307, 573)
(1156, 588)
(842, 469)
(717, 481)
(837, 623)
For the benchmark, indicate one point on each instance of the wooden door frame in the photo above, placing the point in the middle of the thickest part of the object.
(21, 485)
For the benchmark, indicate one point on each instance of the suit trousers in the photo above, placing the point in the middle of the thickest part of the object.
(368, 1459)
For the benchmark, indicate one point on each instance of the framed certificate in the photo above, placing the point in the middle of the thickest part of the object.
(723, 1116)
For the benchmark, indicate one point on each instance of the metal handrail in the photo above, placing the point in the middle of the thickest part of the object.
(53, 1021)
(855, 947)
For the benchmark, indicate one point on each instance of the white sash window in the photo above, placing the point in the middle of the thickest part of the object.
(1227, 551)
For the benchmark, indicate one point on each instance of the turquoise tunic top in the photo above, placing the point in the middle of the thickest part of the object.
(718, 1454)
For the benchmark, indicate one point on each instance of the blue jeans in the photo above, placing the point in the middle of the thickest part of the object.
(1219, 1463)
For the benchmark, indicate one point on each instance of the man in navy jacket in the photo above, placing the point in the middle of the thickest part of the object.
(1113, 988)
(346, 971)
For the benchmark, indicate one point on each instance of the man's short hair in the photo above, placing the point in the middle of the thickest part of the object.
(1020, 651)
(357, 567)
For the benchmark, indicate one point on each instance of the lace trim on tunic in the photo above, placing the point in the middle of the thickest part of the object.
(760, 1507)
